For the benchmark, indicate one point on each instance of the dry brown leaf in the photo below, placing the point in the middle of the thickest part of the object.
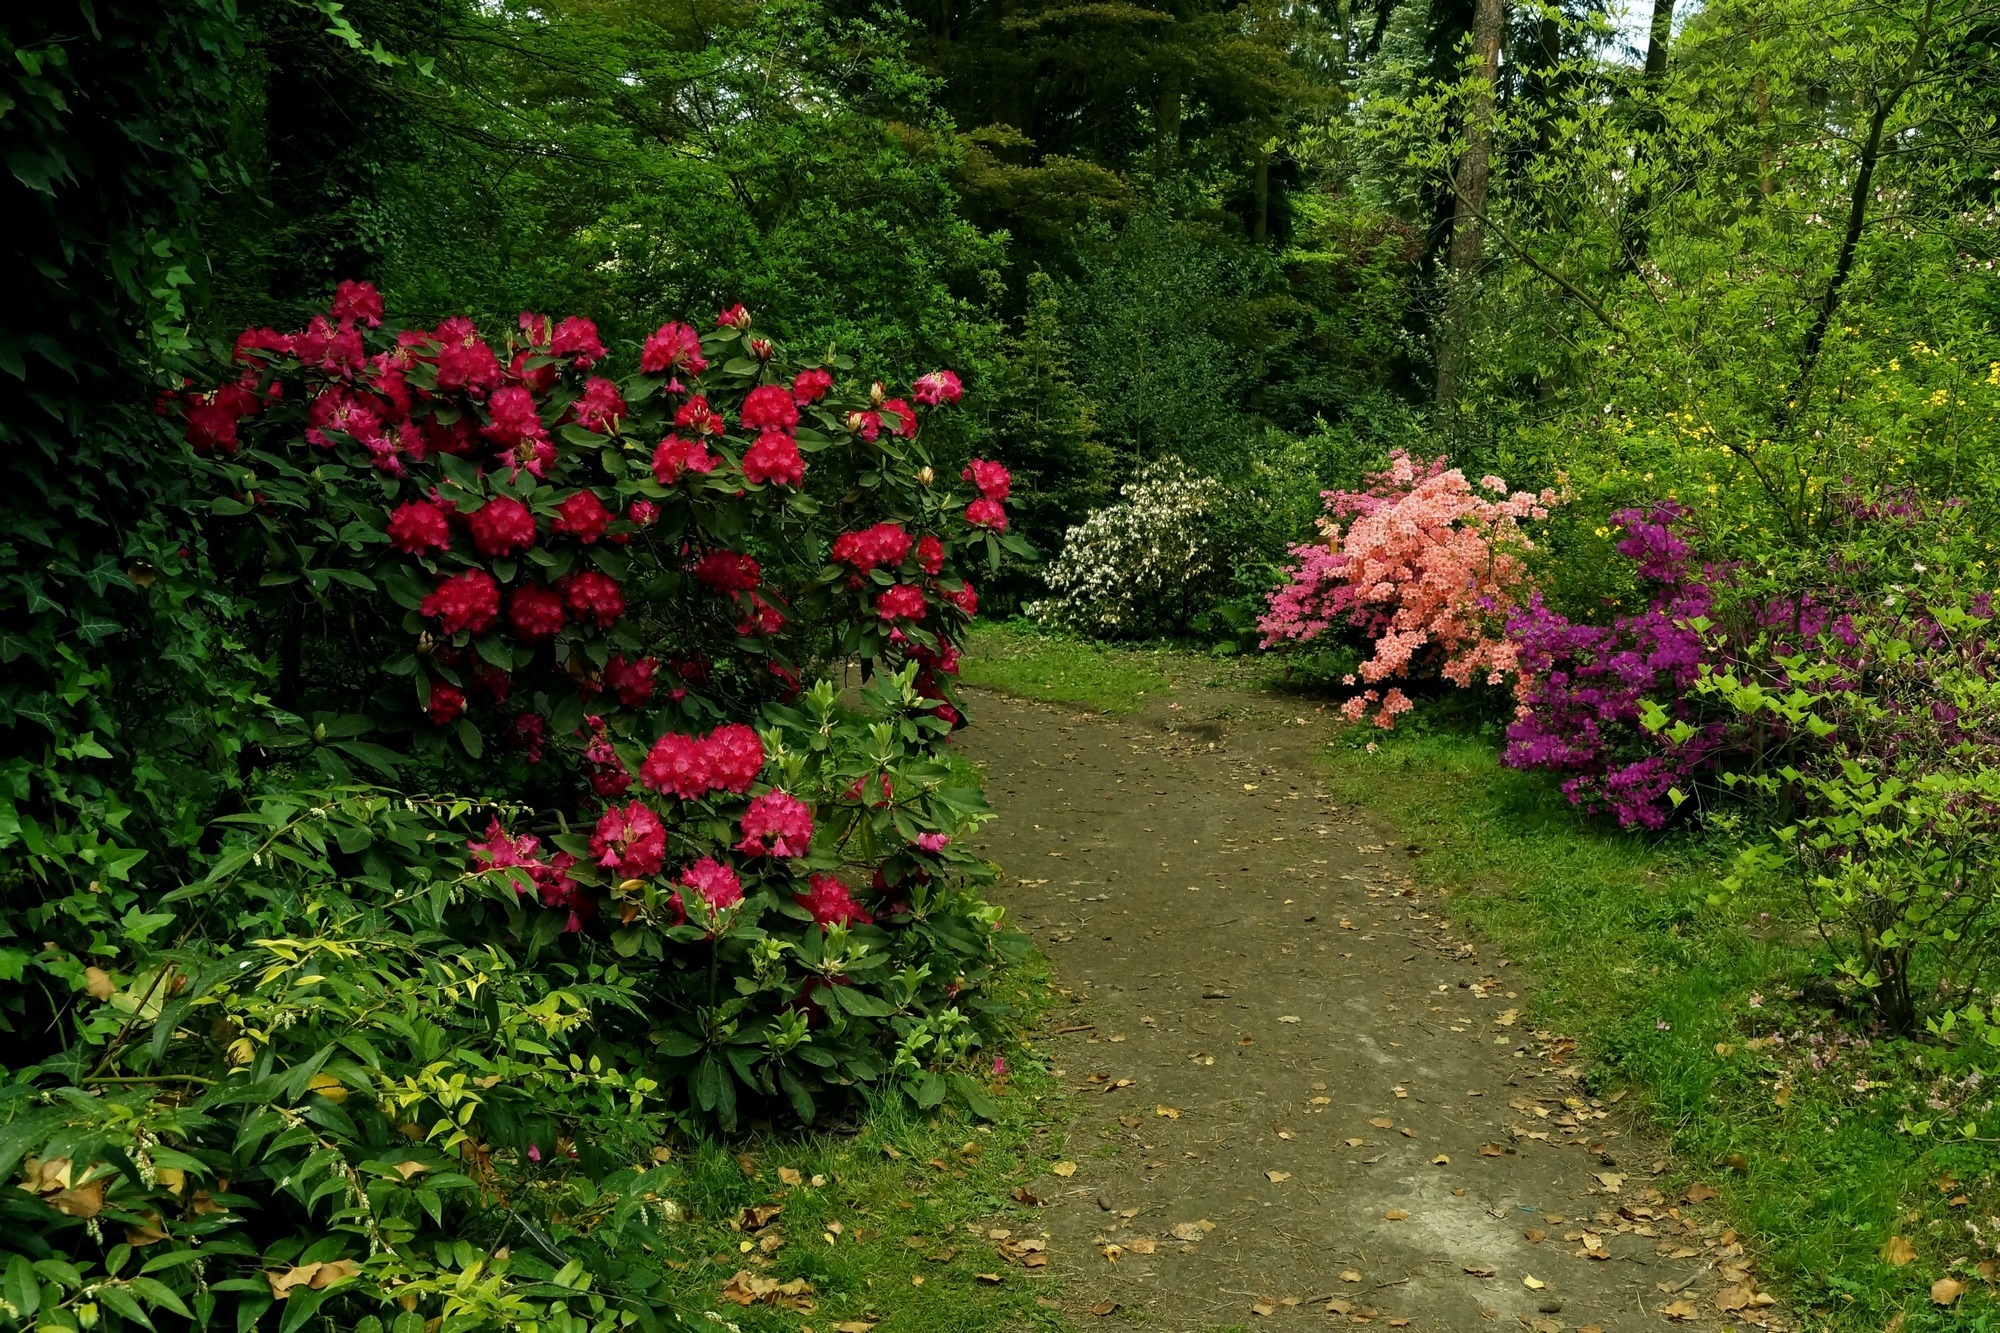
(1535, 1235)
(1395, 1215)
(853, 1326)
(1946, 1290)
(1064, 1169)
(1277, 1177)
(99, 983)
(1491, 1150)
(1478, 1271)
(1382, 1122)
(1142, 1245)
(1441, 1160)
(990, 1279)
(1350, 1276)
(147, 1231)
(1681, 1310)
(1699, 1193)
(1192, 1230)
(1103, 1308)
(1611, 1180)
(748, 1288)
(408, 1169)
(1898, 1251)
(84, 1201)
(1170, 1112)
(1263, 1308)
(790, 1176)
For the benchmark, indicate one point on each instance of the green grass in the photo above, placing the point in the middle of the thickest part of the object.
(1016, 658)
(913, 1195)
(1628, 954)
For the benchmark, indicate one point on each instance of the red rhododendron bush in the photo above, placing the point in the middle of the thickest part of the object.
(605, 593)
(1428, 569)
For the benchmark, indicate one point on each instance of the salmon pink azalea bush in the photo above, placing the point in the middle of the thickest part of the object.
(1426, 566)
(503, 564)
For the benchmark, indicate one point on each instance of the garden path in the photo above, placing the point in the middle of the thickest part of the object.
(1299, 1093)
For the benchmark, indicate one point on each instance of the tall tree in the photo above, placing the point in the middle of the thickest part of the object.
(1469, 182)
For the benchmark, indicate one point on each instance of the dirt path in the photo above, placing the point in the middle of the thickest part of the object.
(1300, 1095)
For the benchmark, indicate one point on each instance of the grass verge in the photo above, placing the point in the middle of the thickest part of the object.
(1715, 1015)
(887, 1226)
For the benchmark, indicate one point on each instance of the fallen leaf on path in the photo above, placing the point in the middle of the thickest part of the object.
(1382, 1122)
(1611, 1180)
(1699, 1193)
(1898, 1251)
(1350, 1276)
(1535, 1235)
(1113, 1253)
(1192, 1230)
(1170, 1112)
(1680, 1310)
(1064, 1168)
(1441, 1160)
(1142, 1245)
(1103, 1308)
(1263, 1308)
(790, 1176)
(1533, 1283)
(1395, 1215)
(1506, 1020)
(990, 1279)
(1491, 1150)
(1277, 1177)
(1946, 1290)
(1288, 1018)
(1357, 1143)
(1478, 1271)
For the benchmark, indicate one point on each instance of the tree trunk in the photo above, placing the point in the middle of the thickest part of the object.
(1475, 166)
(1260, 189)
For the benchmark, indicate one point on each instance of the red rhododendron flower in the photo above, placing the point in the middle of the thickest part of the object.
(677, 765)
(789, 684)
(529, 731)
(671, 347)
(600, 407)
(776, 824)
(696, 415)
(631, 681)
(583, 516)
(630, 841)
(940, 386)
(964, 598)
(883, 544)
(948, 713)
(464, 361)
(900, 602)
(535, 328)
(337, 409)
(512, 417)
(459, 437)
(831, 902)
(769, 407)
(868, 425)
(676, 455)
(447, 704)
(809, 386)
(930, 555)
(735, 317)
(503, 851)
(643, 513)
(985, 513)
(992, 479)
(906, 417)
(774, 458)
(260, 340)
(735, 757)
(392, 386)
(497, 683)
(594, 597)
(728, 571)
(358, 300)
(715, 882)
(538, 378)
(536, 612)
(335, 349)
(210, 426)
(501, 527)
(468, 601)
(576, 338)
(760, 617)
(419, 526)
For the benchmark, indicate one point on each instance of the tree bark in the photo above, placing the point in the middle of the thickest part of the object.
(1632, 226)
(1475, 167)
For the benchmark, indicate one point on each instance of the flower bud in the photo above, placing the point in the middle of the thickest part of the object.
(877, 392)
(926, 475)
(761, 348)
(856, 421)
(426, 645)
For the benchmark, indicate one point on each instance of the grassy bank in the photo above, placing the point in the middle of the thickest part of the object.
(885, 1224)
(1715, 1014)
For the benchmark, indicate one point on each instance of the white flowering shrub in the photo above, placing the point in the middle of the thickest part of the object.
(1144, 566)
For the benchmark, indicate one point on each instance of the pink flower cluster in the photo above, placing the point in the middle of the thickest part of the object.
(1428, 569)
(726, 759)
